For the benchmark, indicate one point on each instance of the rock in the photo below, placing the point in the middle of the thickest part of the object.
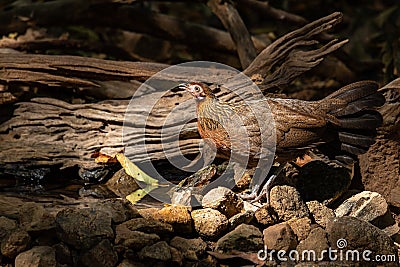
(176, 256)
(314, 244)
(149, 226)
(350, 233)
(247, 206)
(287, 203)
(83, 228)
(301, 227)
(279, 237)
(102, 254)
(370, 207)
(177, 216)
(6, 226)
(209, 223)
(63, 254)
(39, 256)
(191, 249)
(244, 238)
(34, 217)
(224, 200)
(119, 210)
(17, 241)
(122, 184)
(159, 251)
(133, 239)
(130, 263)
(266, 215)
(324, 188)
(321, 213)
(244, 217)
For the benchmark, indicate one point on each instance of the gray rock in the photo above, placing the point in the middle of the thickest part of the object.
(370, 207)
(287, 203)
(191, 249)
(119, 210)
(209, 223)
(310, 249)
(63, 254)
(350, 233)
(100, 255)
(279, 237)
(130, 263)
(6, 226)
(321, 213)
(240, 218)
(245, 238)
(39, 256)
(149, 226)
(17, 241)
(83, 228)
(34, 217)
(133, 239)
(159, 251)
(176, 256)
(224, 200)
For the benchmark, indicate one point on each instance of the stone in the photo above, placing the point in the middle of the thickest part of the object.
(34, 217)
(244, 217)
(6, 226)
(63, 254)
(370, 207)
(130, 263)
(321, 213)
(118, 209)
(287, 203)
(149, 226)
(122, 184)
(209, 223)
(311, 248)
(244, 238)
(39, 256)
(279, 237)
(176, 256)
(224, 200)
(17, 241)
(83, 228)
(322, 180)
(301, 227)
(177, 216)
(160, 251)
(350, 233)
(132, 239)
(266, 215)
(247, 206)
(191, 249)
(101, 255)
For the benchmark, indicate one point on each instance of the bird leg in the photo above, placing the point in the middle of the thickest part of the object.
(265, 189)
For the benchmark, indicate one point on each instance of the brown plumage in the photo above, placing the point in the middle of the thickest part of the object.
(346, 117)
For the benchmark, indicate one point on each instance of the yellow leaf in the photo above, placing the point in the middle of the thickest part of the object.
(140, 193)
(132, 170)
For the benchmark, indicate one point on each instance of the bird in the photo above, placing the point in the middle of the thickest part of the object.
(347, 117)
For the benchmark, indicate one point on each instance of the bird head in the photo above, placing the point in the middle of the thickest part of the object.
(198, 90)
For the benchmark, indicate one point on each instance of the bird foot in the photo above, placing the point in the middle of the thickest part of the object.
(254, 196)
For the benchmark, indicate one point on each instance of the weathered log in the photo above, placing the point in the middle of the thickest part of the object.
(46, 131)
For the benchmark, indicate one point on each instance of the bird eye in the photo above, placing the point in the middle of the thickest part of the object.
(197, 88)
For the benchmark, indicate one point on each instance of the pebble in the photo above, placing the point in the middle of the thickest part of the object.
(224, 200)
(39, 256)
(209, 223)
(244, 238)
(279, 237)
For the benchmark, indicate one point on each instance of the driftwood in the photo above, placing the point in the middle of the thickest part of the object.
(50, 132)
